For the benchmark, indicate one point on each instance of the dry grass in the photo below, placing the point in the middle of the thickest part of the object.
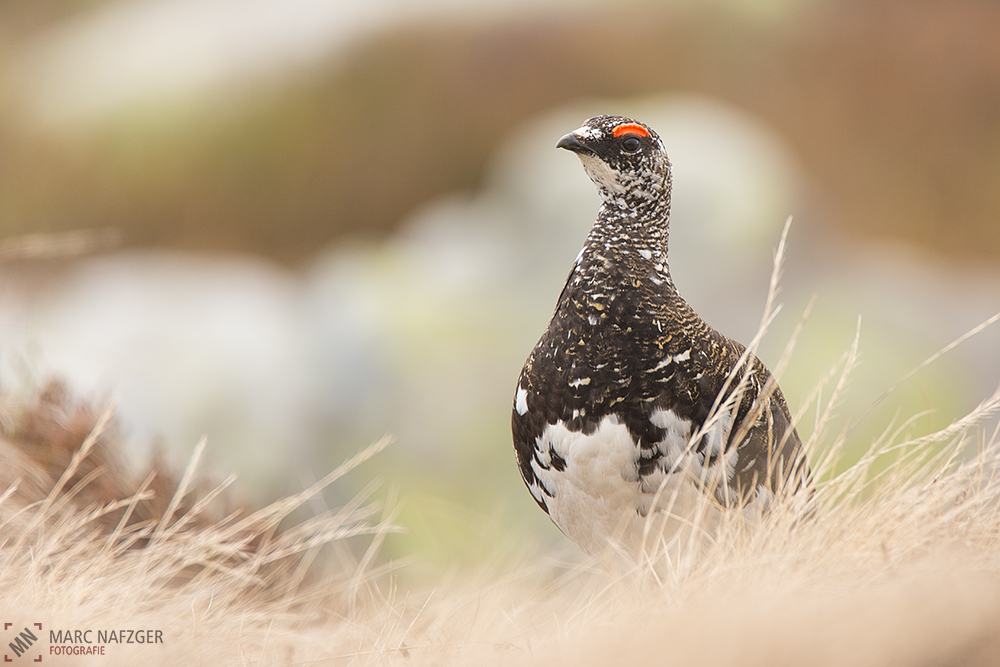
(85, 545)
(895, 561)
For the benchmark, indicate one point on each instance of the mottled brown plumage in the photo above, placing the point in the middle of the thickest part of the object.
(624, 349)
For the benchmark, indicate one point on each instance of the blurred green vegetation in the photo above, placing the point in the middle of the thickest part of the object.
(893, 108)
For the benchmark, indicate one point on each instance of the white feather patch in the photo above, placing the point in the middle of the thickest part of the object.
(601, 174)
(521, 401)
(598, 500)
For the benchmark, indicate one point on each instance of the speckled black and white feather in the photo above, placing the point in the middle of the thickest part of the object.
(618, 389)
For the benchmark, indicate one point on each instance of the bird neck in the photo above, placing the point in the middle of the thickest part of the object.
(630, 241)
(635, 212)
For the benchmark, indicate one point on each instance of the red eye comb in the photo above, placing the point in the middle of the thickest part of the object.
(630, 128)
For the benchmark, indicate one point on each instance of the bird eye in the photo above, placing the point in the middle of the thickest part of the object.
(630, 144)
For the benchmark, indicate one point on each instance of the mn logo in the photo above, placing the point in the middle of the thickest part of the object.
(22, 642)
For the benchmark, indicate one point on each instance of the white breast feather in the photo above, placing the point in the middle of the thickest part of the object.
(598, 500)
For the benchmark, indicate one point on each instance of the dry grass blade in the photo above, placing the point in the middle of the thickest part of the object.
(922, 365)
(55, 495)
(181, 491)
(726, 402)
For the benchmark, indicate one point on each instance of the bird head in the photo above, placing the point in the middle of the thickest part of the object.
(623, 157)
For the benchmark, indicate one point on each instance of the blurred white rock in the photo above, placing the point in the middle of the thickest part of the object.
(190, 345)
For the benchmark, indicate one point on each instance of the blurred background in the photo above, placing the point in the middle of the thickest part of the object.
(297, 225)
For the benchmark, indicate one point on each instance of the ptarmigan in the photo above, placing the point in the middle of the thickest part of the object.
(631, 407)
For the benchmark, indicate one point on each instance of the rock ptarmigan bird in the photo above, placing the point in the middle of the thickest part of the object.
(631, 406)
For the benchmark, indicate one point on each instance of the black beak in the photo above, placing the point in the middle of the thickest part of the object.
(572, 143)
